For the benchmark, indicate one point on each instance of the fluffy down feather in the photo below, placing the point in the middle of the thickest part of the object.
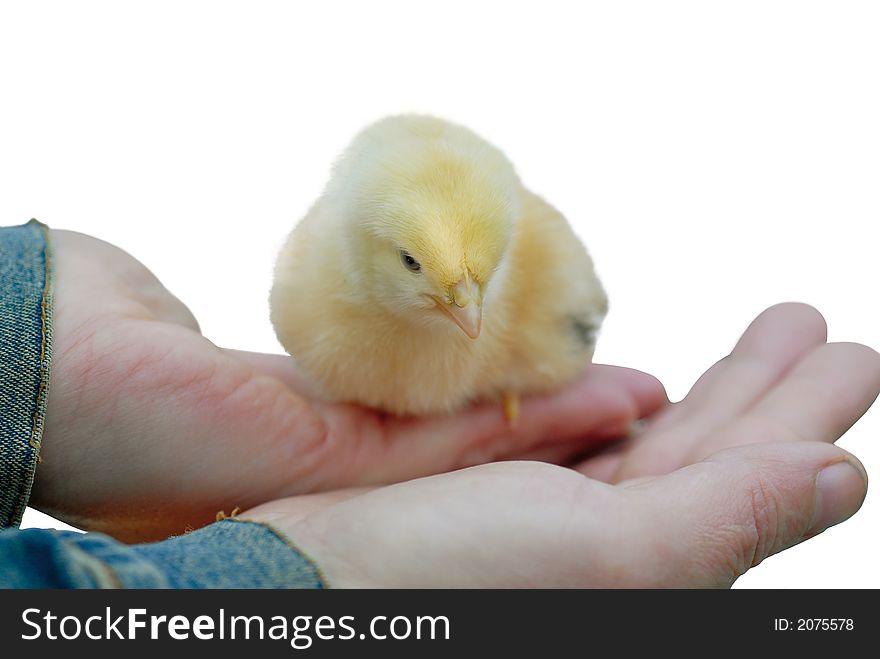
(426, 276)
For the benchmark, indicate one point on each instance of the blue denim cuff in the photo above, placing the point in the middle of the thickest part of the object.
(228, 554)
(25, 351)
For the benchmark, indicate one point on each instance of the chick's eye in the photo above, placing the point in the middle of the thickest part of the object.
(411, 264)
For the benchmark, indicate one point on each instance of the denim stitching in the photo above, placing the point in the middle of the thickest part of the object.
(39, 415)
(25, 351)
(45, 312)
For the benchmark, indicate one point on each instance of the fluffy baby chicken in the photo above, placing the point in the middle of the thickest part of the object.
(426, 277)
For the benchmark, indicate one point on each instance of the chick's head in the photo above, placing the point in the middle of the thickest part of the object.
(433, 222)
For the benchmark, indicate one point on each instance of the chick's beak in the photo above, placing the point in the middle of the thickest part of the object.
(465, 306)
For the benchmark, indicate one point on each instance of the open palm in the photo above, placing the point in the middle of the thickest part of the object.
(744, 467)
(151, 428)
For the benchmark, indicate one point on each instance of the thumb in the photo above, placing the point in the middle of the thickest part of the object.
(714, 520)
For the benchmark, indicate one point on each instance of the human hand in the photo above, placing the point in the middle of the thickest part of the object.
(739, 470)
(151, 428)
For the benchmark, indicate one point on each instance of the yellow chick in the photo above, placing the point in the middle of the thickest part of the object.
(426, 277)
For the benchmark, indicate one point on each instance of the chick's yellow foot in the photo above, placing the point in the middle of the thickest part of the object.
(511, 407)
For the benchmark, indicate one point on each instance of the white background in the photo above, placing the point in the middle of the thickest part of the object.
(715, 157)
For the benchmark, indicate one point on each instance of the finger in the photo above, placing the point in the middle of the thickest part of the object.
(818, 401)
(648, 392)
(605, 398)
(708, 523)
(771, 345)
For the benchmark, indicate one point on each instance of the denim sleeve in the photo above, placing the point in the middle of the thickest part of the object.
(25, 351)
(227, 554)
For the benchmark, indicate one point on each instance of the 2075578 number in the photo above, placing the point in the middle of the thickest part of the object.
(813, 624)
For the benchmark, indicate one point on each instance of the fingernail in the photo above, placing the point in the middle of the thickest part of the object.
(840, 490)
